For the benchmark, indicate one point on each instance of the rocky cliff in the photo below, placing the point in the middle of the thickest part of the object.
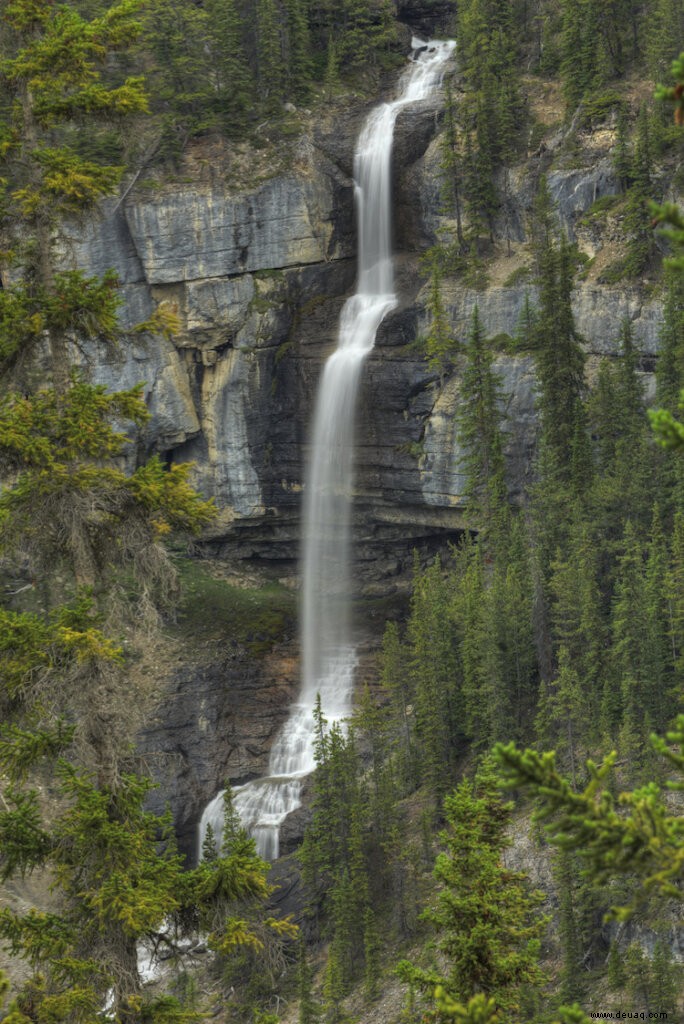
(254, 253)
(257, 276)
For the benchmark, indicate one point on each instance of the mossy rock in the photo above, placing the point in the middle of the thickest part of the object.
(213, 608)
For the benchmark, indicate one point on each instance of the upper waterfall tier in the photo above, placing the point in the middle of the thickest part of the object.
(326, 545)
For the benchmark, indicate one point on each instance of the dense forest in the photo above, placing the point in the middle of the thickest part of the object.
(555, 624)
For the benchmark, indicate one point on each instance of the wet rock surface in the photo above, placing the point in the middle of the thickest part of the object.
(215, 723)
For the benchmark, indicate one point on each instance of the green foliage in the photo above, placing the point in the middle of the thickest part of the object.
(68, 501)
(53, 68)
(646, 839)
(479, 421)
(440, 345)
(485, 918)
(210, 608)
(560, 361)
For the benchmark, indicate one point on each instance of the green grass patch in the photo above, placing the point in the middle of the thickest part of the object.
(211, 608)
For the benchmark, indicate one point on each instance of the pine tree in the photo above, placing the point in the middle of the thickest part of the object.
(580, 51)
(640, 652)
(70, 507)
(574, 698)
(670, 365)
(299, 65)
(560, 360)
(231, 77)
(643, 838)
(309, 1009)
(625, 467)
(440, 345)
(565, 877)
(451, 165)
(487, 927)
(271, 71)
(435, 676)
(396, 681)
(637, 223)
(479, 420)
(622, 163)
(333, 988)
(616, 973)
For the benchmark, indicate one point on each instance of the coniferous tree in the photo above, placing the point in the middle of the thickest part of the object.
(580, 51)
(396, 681)
(640, 240)
(309, 1009)
(271, 71)
(565, 877)
(479, 421)
(451, 166)
(231, 80)
(670, 365)
(622, 163)
(435, 676)
(560, 361)
(486, 921)
(299, 65)
(440, 345)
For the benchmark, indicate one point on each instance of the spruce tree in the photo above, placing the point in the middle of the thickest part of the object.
(309, 1009)
(670, 365)
(271, 69)
(479, 420)
(396, 681)
(440, 345)
(560, 361)
(486, 919)
(640, 239)
(435, 674)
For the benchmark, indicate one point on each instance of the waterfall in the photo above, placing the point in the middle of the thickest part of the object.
(328, 652)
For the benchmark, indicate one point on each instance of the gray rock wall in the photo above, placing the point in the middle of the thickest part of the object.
(257, 276)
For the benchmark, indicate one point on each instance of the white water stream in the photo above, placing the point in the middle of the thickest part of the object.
(328, 653)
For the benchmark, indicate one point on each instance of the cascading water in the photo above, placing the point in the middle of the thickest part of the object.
(328, 653)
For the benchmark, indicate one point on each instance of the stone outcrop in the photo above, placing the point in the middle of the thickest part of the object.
(256, 276)
(217, 721)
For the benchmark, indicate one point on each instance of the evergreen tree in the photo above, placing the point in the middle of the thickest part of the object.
(309, 1009)
(479, 421)
(622, 163)
(451, 165)
(643, 839)
(565, 878)
(299, 65)
(573, 698)
(670, 365)
(271, 70)
(440, 345)
(435, 676)
(487, 926)
(560, 362)
(640, 241)
(580, 50)
(396, 681)
(231, 78)
(624, 477)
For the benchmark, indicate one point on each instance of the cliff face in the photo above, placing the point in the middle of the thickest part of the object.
(257, 277)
